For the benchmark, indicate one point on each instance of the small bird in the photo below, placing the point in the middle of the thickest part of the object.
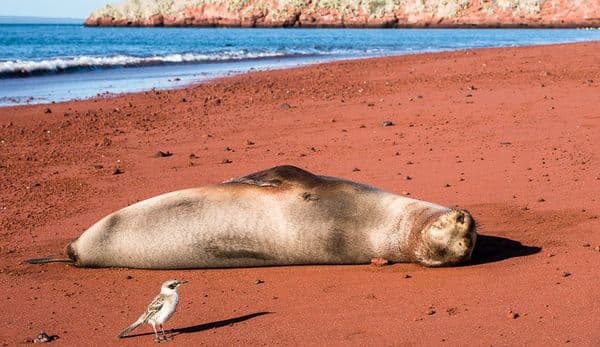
(159, 311)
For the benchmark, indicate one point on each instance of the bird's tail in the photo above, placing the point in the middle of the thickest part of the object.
(130, 328)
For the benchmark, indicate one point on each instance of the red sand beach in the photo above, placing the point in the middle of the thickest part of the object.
(510, 134)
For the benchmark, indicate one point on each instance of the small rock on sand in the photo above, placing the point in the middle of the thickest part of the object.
(162, 154)
(512, 315)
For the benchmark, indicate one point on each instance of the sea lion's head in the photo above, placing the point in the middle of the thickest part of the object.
(448, 239)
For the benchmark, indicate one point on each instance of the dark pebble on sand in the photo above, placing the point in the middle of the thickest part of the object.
(512, 315)
(541, 200)
(566, 274)
(226, 161)
(162, 154)
(387, 123)
(118, 171)
(259, 281)
(285, 106)
(48, 110)
(430, 312)
(129, 277)
(355, 169)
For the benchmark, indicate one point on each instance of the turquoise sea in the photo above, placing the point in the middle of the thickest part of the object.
(55, 62)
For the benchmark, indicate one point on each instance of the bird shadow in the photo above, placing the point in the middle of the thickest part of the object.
(206, 326)
(490, 249)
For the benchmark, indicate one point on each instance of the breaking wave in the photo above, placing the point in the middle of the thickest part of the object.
(24, 68)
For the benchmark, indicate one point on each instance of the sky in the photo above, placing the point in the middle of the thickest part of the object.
(51, 8)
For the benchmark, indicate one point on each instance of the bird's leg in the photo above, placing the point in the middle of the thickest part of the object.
(163, 332)
(156, 338)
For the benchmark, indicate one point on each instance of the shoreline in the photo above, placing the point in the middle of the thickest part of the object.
(508, 133)
(87, 85)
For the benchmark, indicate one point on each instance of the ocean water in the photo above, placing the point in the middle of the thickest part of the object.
(54, 62)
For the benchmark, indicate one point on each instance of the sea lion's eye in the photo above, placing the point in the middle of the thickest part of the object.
(460, 218)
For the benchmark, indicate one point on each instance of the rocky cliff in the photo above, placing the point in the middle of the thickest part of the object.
(348, 13)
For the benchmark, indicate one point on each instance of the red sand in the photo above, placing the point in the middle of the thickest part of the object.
(510, 134)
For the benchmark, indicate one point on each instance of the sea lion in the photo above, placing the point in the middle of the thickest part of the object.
(280, 216)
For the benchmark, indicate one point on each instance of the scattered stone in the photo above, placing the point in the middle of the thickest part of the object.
(226, 161)
(118, 171)
(541, 200)
(355, 169)
(106, 142)
(249, 142)
(362, 126)
(379, 261)
(193, 156)
(388, 123)
(285, 106)
(452, 311)
(259, 281)
(406, 276)
(408, 178)
(162, 154)
(447, 185)
(506, 143)
(129, 277)
(586, 245)
(512, 315)
(430, 311)
(43, 338)
(472, 88)
(47, 110)
(566, 274)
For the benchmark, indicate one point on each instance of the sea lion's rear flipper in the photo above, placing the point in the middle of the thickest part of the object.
(278, 176)
(49, 260)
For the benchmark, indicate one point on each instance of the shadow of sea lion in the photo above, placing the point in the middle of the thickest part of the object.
(489, 249)
(206, 326)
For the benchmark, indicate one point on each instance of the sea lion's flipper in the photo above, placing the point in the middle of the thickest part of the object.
(49, 260)
(278, 176)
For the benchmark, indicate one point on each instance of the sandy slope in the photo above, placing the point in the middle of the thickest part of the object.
(510, 134)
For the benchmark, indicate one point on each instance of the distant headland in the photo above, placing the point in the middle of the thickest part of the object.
(349, 14)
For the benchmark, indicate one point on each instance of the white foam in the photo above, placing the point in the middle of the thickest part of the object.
(90, 62)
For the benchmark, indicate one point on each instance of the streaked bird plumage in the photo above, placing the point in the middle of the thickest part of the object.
(159, 310)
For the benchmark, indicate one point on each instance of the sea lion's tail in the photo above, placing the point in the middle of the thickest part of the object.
(49, 260)
(71, 254)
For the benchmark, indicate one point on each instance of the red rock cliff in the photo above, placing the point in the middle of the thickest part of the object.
(346, 13)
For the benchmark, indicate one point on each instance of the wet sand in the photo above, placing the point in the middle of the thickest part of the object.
(510, 134)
